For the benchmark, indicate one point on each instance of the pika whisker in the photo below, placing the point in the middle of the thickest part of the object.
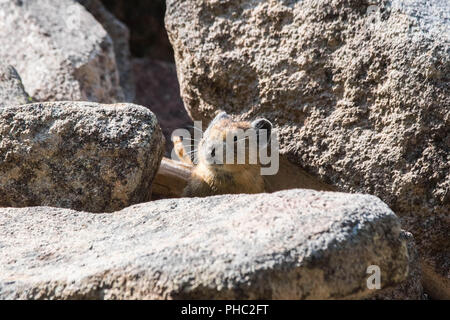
(192, 152)
(242, 139)
(195, 128)
(207, 177)
(189, 139)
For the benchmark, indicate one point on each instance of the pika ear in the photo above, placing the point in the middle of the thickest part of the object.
(263, 126)
(220, 116)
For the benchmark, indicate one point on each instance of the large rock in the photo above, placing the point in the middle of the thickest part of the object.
(60, 51)
(12, 92)
(359, 93)
(412, 288)
(78, 155)
(120, 36)
(297, 244)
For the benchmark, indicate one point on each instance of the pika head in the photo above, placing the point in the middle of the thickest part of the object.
(234, 144)
(231, 157)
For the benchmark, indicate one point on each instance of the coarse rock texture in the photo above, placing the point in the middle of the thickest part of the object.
(359, 93)
(157, 88)
(120, 36)
(296, 244)
(60, 51)
(412, 288)
(12, 92)
(78, 155)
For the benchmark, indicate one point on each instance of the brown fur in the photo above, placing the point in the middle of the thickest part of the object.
(213, 179)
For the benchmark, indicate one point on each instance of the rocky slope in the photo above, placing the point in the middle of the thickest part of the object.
(359, 92)
(297, 244)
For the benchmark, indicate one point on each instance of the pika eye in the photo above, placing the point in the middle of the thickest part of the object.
(213, 153)
(235, 138)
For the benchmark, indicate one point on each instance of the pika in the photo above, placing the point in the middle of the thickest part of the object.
(210, 178)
